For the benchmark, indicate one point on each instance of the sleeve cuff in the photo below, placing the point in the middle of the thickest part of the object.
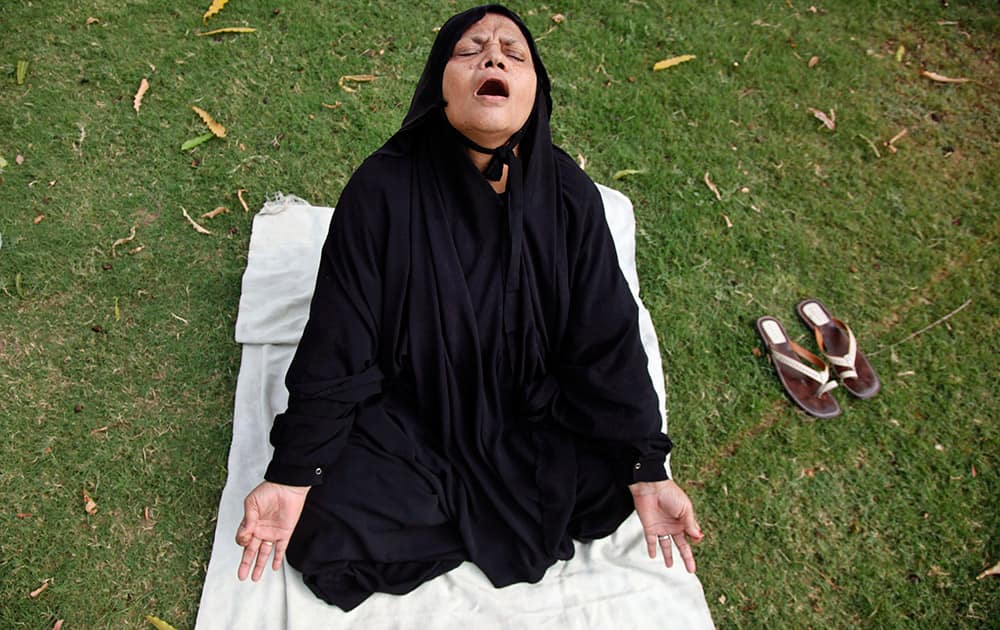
(294, 475)
(649, 470)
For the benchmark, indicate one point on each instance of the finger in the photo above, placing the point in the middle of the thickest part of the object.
(279, 554)
(668, 554)
(686, 552)
(249, 553)
(651, 545)
(692, 528)
(263, 553)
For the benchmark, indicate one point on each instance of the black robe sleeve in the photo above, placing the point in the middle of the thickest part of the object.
(603, 370)
(335, 369)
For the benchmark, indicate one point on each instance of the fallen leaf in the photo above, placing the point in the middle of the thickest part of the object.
(558, 18)
(829, 121)
(939, 447)
(122, 241)
(582, 161)
(813, 61)
(973, 472)
(89, 505)
(146, 515)
(3, 164)
(24, 515)
(994, 570)
(329, 106)
(135, 250)
(22, 71)
(193, 142)
(194, 223)
(756, 352)
(356, 78)
(239, 195)
(41, 589)
(137, 101)
(103, 429)
(673, 61)
(626, 173)
(58, 625)
(38, 219)
(729, 223)
(214, 9)
(211, 123)
(92, 20)
(158, 623)
(228, 29)
(19, 159)
(712, 187)
(940, 78)
(899, 53)
(211, 214)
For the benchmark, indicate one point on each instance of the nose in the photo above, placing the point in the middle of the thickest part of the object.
(493, 57)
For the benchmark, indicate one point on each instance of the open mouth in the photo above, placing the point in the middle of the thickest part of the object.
(492, 87)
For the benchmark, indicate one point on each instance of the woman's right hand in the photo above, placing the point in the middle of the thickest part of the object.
(270, 513)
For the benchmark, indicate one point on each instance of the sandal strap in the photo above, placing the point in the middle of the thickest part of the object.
(821, 376)
(845, 361)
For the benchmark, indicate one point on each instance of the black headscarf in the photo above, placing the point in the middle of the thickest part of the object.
(471, 376)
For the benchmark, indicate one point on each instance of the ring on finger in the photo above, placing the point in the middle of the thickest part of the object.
(267, 542)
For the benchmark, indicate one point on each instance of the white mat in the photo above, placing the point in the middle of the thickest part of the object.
(609, 583)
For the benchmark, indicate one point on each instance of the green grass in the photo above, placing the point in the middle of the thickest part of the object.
(881, 518)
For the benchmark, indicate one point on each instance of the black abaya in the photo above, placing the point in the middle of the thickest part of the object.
(470, 384)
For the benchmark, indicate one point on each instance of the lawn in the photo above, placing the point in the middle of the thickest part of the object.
(117, 359)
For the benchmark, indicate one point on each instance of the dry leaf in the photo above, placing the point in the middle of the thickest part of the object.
(89, 505)
(673, 61)
(28, 514)
(58, 625)
(813, 61)
(711, 186)
(940, 78)
(228, 29)
(122, 241)
(38, 591)
(239, 195)
(137, 101)
(994, 570)
(213, 10)
(582, 161)
(194, 223)
(356, 78)
(336, 105)
(146, 515)
(211, 214)
(729, 223)
(19, 159)
(135, 250)
(158, 623)
(38, 219)
(899, 53)
(558, 18)
(92, 20)
(213, 126)
(829, 121)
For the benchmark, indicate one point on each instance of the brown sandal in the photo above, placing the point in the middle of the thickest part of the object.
(838, 345)
(808, 387)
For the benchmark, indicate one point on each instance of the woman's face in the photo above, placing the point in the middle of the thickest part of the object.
(489, 83)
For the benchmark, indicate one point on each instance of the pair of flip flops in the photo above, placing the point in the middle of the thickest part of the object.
(804, 375)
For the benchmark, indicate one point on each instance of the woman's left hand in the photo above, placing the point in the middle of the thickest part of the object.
(666, 512)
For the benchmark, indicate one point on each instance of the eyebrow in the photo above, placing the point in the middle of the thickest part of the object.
(505, 40)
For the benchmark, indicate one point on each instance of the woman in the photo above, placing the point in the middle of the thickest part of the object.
(470, 384)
